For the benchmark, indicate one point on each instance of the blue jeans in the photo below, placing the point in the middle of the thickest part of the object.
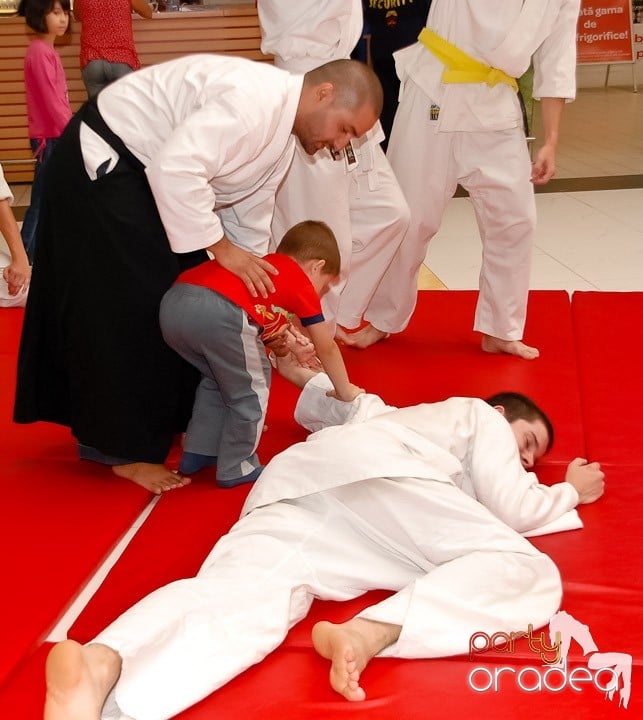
(30, 222)
(98, 74)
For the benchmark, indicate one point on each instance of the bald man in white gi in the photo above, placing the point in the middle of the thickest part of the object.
(460, 121)
(355, 191)
(425, 501)
(168, 161)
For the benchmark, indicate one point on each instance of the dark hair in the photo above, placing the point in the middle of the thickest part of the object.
(521, 407)
(355, 83)
(312, 240)
(36, 11)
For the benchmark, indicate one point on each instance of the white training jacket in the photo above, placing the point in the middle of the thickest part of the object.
(214, 133)
(462, 441)
(504, 34)
(304, 34)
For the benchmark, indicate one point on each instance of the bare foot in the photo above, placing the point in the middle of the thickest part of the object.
(350, 646)
(155, 478)
(363, 338)
(492, 344)
(79, 679)
(342, 335)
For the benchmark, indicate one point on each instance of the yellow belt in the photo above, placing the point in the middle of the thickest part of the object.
(462, 68)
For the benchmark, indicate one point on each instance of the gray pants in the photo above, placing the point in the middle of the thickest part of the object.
(220, 340)
(98, 74)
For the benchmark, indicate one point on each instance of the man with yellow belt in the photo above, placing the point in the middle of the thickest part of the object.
(460, 121)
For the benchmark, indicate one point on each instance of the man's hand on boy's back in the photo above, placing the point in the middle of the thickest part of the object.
(254, 271)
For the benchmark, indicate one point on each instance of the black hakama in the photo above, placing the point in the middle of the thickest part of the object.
(91, 354)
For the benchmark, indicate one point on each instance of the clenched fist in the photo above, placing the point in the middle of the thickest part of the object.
(587, 478)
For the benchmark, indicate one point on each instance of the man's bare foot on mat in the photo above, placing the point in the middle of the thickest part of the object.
(492, 344)
(155, 478)
(361, 339)
(79, 679)
(350, 646)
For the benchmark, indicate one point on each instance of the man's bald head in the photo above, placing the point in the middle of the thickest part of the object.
(340, 100)
(355, 84)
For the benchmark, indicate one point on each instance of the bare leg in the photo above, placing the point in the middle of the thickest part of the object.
(350, 646)
(155, 478)
(512, 347)
(79, 679)
(363, 338)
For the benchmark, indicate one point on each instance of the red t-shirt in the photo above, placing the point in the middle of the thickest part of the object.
(294, 293)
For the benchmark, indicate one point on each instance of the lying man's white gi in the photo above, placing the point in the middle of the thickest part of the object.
(472, 134)
(361, 201)
(425, 501)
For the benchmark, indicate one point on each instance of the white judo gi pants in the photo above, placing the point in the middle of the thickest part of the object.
(495, 168)
(365, 209)
(454, 568)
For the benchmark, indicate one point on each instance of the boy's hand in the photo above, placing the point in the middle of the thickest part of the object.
(17, 276)
(251, 269)
(349, 394)
(278, 344)
(587, 479)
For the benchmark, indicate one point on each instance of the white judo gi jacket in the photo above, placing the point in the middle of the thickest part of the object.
(324, 521)
(357, 195)
(505, 34)
(460, 441)
(214, 133)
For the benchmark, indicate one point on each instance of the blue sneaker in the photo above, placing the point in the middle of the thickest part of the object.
(193, 462)
(233, 482)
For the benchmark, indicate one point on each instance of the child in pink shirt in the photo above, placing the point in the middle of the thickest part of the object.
(48, 109)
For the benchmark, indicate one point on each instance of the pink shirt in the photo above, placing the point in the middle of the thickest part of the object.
(48, 109)
(106, 32)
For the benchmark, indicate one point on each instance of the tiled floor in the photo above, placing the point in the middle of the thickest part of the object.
(601, 134)
(584, 241)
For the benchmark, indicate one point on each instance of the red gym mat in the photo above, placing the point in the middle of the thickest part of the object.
(604, 555)
(10, 329)
(430, 369)
(610, 348)
(436, 357)
(291, 684)
(60, 519)
(439, 356)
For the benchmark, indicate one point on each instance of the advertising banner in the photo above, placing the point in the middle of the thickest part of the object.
(604, 32)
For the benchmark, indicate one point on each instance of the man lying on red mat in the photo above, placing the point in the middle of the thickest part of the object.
(427, 501)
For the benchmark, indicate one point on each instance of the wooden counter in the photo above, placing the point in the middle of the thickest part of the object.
(230, 30)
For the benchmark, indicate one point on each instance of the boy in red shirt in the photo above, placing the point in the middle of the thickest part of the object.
(210, 318)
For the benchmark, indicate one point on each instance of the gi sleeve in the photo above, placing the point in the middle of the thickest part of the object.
(555, 59)
(212, 142)
(503, 486)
